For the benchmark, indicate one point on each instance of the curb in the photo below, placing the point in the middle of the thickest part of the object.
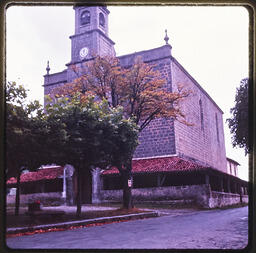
(68, 224)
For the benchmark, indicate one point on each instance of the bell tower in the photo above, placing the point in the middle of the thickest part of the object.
(91, 34)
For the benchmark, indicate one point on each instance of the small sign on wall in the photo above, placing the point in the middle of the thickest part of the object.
(129, 182)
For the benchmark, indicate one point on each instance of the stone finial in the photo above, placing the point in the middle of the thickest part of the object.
(47, 68)
(166, 38)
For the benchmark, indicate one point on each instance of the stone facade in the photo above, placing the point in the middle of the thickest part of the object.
(199, 195)
(53, 81)
(49, 198)
(202, 142)
(157, 139)
(92, 34)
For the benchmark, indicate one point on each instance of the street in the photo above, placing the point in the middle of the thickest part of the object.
(211, 229)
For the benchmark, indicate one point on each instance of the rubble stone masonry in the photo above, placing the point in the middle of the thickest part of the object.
(204, 140)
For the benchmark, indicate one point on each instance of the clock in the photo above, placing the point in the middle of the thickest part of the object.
(83, 52)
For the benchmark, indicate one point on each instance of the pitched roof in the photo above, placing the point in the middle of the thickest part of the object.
(43, 174)
(233, 161)
(163, 164)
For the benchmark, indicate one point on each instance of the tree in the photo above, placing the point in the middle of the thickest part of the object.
(139, 89)
(21, 142)
(239, 121)
(93, 134)
(83, 133)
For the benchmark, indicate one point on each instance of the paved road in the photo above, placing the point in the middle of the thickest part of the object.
(212, 229)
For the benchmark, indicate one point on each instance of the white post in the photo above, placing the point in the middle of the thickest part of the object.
(96, 185)
(64, 193)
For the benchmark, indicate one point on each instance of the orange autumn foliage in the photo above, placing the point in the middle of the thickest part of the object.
(140, 89)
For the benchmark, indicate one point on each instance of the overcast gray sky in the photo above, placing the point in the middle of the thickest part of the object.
(211, 43)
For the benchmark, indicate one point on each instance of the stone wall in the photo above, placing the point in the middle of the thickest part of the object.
(79, 41)
(203, 141)
(148, 56)
(50, 198)
(198, 193)
(105, 46)
(94, 19)
(53, 81)
(201, 195)
(92, 35)
(245, 199)
(157, 139)
(220, 199)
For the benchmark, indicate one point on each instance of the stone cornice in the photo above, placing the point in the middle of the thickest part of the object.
(150, 55)
(91, 31)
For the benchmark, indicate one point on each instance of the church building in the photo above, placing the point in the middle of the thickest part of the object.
(173, 161)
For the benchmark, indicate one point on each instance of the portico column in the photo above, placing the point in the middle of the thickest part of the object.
(240, 192)
(158, 180)
(42, 188)
(96, 185)
(69, 171)
(238, 188)
(235, 187)
(228, 185)
(221, 184)
(207, 179)
(64, 192)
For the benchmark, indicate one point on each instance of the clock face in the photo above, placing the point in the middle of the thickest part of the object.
(83, 52)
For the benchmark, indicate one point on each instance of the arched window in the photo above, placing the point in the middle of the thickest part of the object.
(102, 20)
(201, 115)
(85, 18)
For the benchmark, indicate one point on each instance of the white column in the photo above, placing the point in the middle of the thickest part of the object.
(96, 185)
(64, 192)
(69, 171)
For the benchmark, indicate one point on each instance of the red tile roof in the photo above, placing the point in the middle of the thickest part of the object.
(163, 164)
(43, 174)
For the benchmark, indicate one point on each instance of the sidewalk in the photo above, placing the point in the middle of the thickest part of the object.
(84, 208)
(90, 208)
(71, 210)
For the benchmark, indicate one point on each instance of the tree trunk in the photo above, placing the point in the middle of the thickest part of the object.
(17, 198)
(127, 186)
(78, 194)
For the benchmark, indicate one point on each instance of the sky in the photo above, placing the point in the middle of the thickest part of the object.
(211, 43)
